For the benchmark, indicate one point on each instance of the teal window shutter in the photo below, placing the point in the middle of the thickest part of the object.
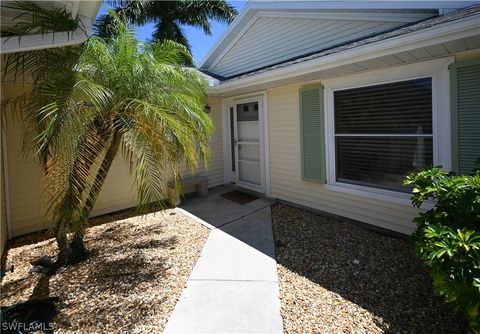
(465, 86)
(312, 129)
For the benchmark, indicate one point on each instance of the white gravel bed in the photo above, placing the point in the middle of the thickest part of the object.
(131, 283)
(337, 277)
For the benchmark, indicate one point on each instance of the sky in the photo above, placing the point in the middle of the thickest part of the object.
(199, 41)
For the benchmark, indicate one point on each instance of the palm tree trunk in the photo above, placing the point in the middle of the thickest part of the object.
(79, 251)
(65, 253)
(63, 248)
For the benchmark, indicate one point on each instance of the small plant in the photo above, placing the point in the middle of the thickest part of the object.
(448, 237)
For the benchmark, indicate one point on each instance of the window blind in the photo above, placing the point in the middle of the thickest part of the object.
(383, 132)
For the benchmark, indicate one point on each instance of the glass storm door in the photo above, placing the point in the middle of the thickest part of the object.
(247, 145)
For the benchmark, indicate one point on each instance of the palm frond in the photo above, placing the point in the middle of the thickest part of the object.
(166, 29)
(33, 19)
(168, 16)
(132, 11)
(118, 93)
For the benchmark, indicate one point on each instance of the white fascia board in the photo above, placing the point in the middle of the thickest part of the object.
(226, 34)
(48, 40)
(234, 41)
(405, 17)
(86, 12)
(374, 4)
(434, 35)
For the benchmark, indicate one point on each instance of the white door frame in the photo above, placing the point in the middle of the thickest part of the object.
(229, 176)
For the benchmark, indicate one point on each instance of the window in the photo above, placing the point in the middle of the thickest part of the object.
(382, 132)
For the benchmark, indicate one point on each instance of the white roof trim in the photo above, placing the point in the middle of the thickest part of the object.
(449, 31)
(342, 15)
(251, 11)
(233, 42)
(361, 4)
(48, 40)
(236, 22)
(57, 39)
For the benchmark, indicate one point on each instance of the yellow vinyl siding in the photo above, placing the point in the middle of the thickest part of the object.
(25, 177)
(117, 192)
(3, 218)
(286, 172)
(215, 170)
(215, 167)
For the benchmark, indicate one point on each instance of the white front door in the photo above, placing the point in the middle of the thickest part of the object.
(246, 143)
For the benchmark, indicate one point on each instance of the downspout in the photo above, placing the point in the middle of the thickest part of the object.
(6, 185)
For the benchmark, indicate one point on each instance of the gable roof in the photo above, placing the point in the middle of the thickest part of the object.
(416, 27)
(268, 33)
(439, 37)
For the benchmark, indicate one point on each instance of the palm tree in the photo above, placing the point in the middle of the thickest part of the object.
(169, 17)
(111, 95)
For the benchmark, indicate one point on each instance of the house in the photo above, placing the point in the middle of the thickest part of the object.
(329, 104)
(21, 211)
(325, 104)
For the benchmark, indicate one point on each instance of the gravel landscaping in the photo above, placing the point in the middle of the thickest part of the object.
(337, 277)
(131, 283)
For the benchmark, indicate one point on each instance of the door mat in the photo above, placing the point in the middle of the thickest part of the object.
(238, 197)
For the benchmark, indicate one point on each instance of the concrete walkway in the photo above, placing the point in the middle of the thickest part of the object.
(233, 287)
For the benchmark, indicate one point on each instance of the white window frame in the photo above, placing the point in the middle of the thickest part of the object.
(437, 70)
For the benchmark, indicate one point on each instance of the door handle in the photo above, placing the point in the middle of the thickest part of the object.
(235, 142)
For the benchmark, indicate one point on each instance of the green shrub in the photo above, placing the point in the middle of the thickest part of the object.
(448, 237)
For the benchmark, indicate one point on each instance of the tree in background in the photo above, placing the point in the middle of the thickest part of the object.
(92, 101)
(169, 17)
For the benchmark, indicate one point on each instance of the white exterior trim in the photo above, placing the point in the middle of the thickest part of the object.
(48, 40)
(266, 141)
(350, 16)
(86, 11)
(435, 69)
(233, 42)
(361, 4)
(226, 35)
(446, 32)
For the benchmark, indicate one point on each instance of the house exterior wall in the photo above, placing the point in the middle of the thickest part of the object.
(3, 220)
(286, 172)
(25, 184)
(215, 170)
(215, 167)
(285, 165)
